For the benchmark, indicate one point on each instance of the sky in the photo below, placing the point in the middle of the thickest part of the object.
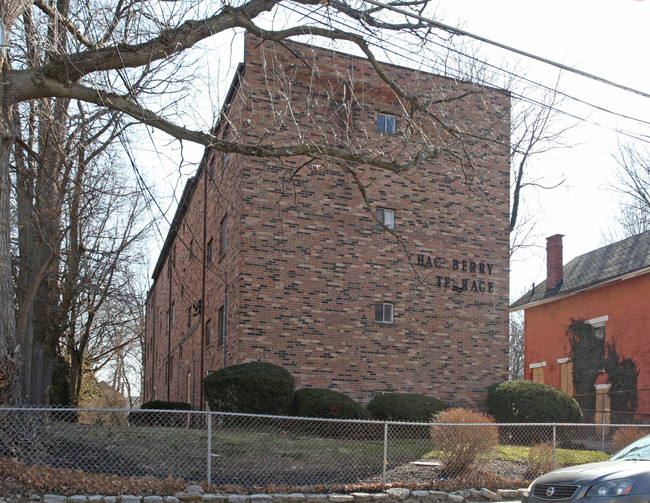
(607, 38)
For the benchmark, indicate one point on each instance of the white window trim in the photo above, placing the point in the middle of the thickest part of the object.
(596, 322)
(386, 117)
(564, 360)
(603, 386)
(383, 322)
(537, 365)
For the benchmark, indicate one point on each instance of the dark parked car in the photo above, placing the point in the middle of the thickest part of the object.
(623, 478)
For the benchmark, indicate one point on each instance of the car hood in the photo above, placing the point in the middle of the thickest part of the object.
(593, 473)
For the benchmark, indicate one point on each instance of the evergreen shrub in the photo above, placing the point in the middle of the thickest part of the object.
(322, 404)
(150, 414)
(326, 403)
(253, 388)
(532, 402)
(409, 407)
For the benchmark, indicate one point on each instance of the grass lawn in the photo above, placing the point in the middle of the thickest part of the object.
(563, 456)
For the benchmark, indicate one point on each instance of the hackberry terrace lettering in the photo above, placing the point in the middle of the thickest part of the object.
(456, 281)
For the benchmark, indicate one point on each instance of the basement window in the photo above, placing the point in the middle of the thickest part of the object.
(384, 312)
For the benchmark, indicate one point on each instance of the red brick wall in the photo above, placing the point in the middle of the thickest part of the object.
(306, 262)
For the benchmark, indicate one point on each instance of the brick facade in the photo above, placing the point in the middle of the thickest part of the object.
(305, 262)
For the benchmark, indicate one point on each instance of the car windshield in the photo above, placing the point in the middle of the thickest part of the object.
(639, 449)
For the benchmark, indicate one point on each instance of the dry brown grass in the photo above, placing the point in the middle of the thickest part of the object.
(625, 436)
(540, 460)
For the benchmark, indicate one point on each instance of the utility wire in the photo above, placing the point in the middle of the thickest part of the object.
(457, 73)
(458, 31)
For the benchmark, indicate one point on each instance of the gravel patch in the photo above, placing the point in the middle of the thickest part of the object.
(422, 474)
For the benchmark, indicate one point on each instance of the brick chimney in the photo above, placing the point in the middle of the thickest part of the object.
(554, 268)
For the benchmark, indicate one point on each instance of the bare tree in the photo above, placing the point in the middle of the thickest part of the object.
(516, 345)
(633, 183)
(107, 234)
(103, 54)
(537, 128)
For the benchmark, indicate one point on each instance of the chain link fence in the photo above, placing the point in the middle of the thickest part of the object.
(252, 451)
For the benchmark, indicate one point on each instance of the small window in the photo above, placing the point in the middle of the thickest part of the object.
(383, 312)
(189, 317)
(208, 252)
(208, 333)
(386, 123)
(599, 328)
(224, 235)
(386, 217)
(222, 325)
(191, 250)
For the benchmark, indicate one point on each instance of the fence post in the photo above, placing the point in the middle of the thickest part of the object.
(383, 473)
(554, 444)
(209, 474)
(602, 438)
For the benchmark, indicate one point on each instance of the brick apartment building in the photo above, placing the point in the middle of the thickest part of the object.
(282, 260)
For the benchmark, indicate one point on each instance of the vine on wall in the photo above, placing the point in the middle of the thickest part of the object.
(623, 377)
(591, 357)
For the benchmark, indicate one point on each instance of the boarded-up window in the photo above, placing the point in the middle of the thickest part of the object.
(538, 374)
(566, 377)
(602, 405)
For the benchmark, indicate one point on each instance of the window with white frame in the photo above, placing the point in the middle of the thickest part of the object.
(386, 217)
(386, 123)
(599, 327)
(384, 312)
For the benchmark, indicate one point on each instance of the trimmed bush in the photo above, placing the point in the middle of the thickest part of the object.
(253, 388)
(150, 415)
(531, 402)
(462, 437)
(326, 403)
(164, 405)
(413, 407)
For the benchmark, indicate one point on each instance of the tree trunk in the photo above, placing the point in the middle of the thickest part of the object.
(10, 393)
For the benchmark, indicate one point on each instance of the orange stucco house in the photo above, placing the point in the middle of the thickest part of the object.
(609, 288)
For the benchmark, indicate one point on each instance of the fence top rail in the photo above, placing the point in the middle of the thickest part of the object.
(317, 419)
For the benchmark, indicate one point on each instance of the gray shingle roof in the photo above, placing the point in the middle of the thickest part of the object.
(595, 267)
